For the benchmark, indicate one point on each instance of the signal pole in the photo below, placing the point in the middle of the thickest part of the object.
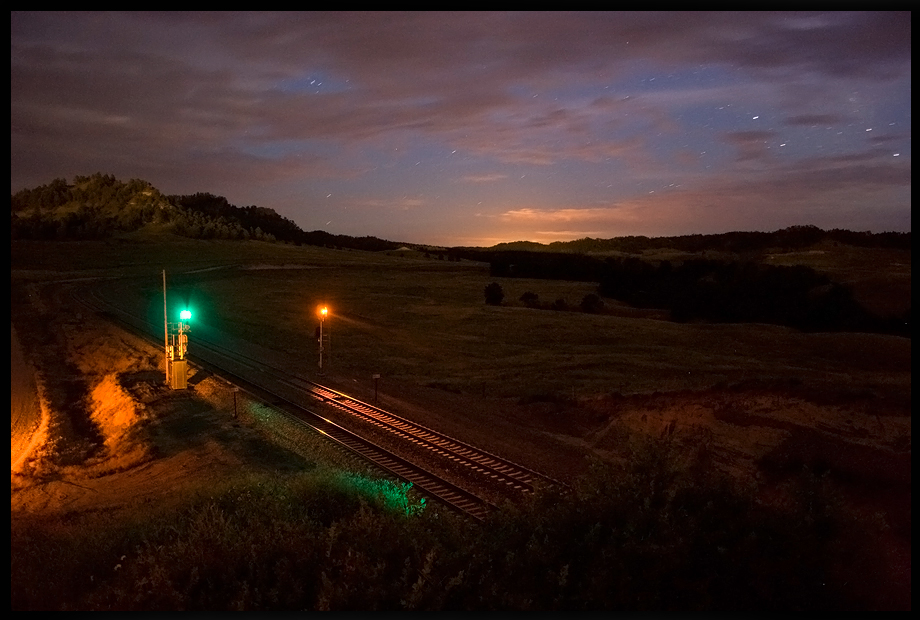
(323, 336)
(165, 329)
(176, 362)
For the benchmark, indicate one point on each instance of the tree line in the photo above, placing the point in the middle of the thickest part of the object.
(725, 291)
(743, 292)
(739, 242)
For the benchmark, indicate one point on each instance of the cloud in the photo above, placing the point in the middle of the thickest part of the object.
(485, 178)
(610, 105)
(545, 216)
(812, 120)
(750, 145)
(430, 71)
(402, 204)
(814, 191)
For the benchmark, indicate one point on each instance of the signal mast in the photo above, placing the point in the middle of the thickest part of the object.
(323, 337)
(176, 342)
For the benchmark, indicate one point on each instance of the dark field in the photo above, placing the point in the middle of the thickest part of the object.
(739, 466)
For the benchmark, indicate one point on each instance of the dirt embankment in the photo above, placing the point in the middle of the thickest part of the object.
(107, 433)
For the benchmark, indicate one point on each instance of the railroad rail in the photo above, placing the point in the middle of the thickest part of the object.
(500, 470)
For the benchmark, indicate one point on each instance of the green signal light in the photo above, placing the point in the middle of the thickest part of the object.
(185, 315)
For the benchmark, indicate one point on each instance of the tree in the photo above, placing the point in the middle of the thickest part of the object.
(494, 294)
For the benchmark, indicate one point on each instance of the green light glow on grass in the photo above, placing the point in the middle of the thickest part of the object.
(394, 495)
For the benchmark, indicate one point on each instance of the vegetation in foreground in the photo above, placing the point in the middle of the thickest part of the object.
(660, 533)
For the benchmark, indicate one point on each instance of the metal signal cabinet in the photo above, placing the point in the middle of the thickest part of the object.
(178, 376)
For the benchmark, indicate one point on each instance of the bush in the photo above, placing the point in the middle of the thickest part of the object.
(494, 294)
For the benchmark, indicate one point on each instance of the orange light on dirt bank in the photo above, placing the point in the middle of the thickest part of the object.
(323, 311)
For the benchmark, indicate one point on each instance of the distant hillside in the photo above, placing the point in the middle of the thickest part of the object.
(90, 208)
(98, 206)
(272, 225)
(792, 238)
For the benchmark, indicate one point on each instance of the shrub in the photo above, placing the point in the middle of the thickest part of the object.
(494, 294)
(655, 533)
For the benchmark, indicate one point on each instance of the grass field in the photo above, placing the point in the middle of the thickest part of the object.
(425, 321)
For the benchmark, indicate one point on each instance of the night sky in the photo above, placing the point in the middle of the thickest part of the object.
(478, 128)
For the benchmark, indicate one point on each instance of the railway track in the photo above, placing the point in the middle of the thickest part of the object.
(290, 393)
(499, 470)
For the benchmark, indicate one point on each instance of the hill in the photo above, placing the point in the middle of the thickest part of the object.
(729, 277)
(737, 242)
(99, 206)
